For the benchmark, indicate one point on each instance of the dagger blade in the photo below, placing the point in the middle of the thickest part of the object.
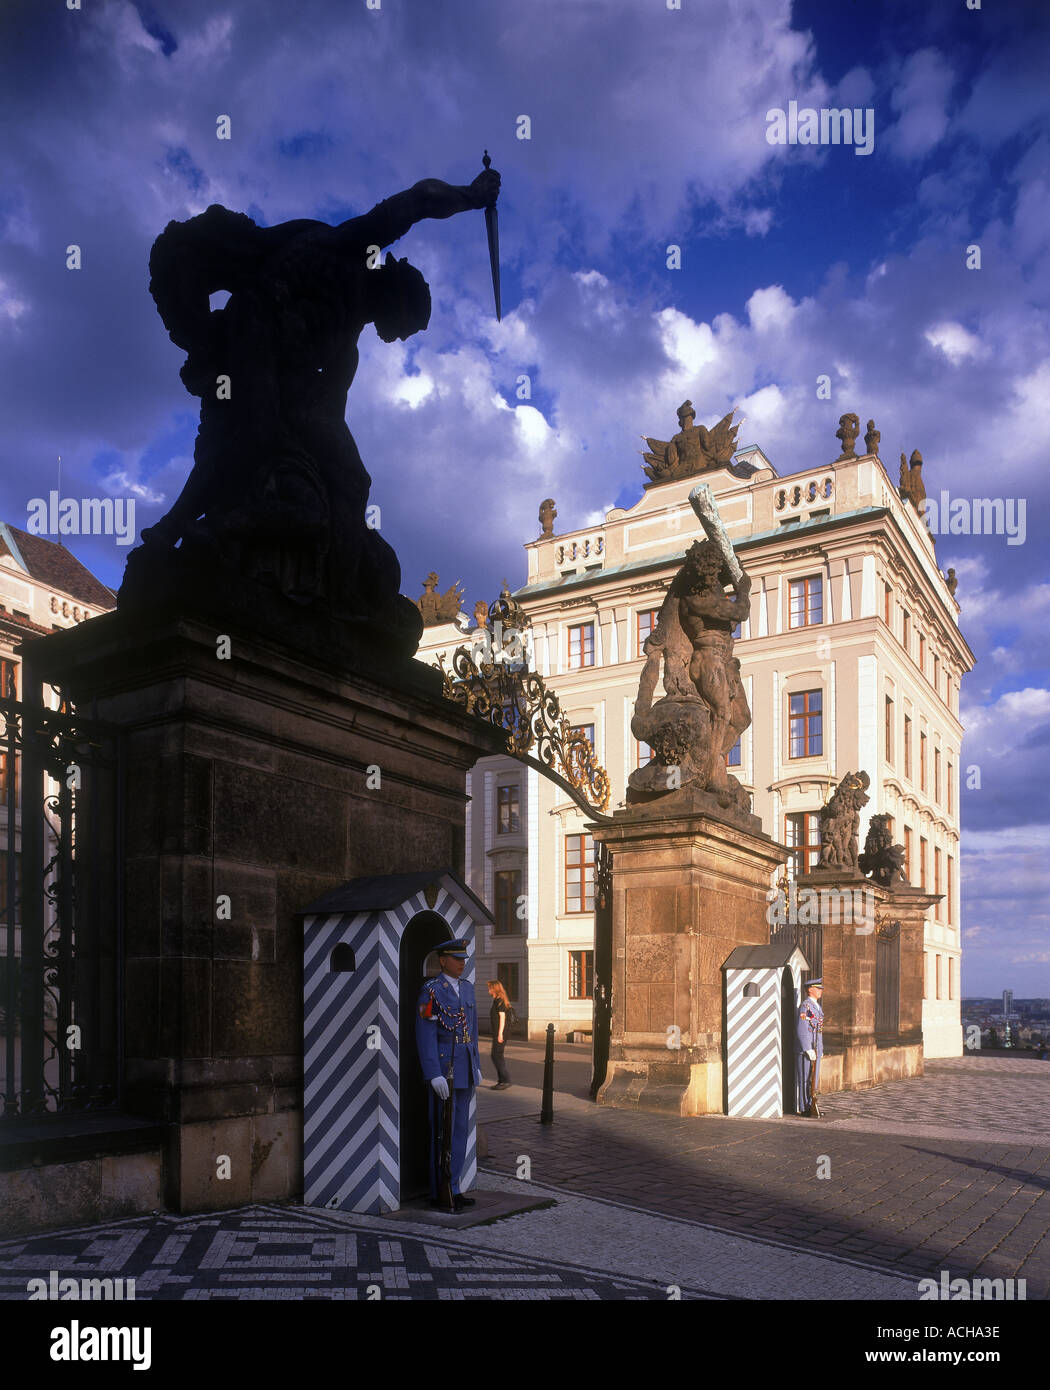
(492, 232)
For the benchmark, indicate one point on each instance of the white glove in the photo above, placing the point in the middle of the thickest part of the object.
(440, 1086)
(811, 1053)
(477, 1079)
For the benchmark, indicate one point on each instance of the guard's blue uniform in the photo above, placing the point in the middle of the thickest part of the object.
(441, 1019)
(810, 1035)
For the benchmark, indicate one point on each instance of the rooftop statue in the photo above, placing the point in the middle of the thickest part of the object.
(849, 427)
(439, 608)
(274, 514)
(911, 488)
(692, 450)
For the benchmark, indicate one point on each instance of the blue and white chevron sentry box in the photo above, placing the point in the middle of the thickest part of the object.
(762, 986)
(365, 950)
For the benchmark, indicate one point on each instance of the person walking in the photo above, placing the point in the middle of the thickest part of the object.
(499, 1016)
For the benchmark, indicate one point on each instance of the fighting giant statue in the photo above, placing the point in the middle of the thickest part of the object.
(704, 708)
(273, 517)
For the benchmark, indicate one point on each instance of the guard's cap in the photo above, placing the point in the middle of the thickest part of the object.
(811, 983)
(458, 948)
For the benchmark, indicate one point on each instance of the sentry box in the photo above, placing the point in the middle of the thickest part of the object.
(761, 994)
(365, 957)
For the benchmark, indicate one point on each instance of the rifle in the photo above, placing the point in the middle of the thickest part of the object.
(814, 1109)
(444, 1154)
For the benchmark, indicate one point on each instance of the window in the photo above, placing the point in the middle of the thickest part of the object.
(805, 721)
(581, 645)
(906, 631)
(937, 876)
(508, 976)
(508, 890)
(802, 837)
(936, 675)
(948, 886)
(937, 967)
(926, 974)
(587, 730)
(806, 602)
(646, 623)
(922, 762)
(922, 653)
(907, 854)
(951, 977)
(643, 754)
(738, 632)
(733, 756)
(581, 974)
(907, 746)
(887, 598)
(508, 819)
(579, 873)
(8, 679)
(950, 792)
(937, 775)
(887, 732)
(922, 864)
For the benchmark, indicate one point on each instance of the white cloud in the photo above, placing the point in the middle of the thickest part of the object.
(953, 340)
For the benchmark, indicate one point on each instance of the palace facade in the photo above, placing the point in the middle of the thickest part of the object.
(852, 659)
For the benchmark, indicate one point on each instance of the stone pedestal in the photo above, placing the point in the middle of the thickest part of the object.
(254, 780)
(687, 889)
(860, 1049)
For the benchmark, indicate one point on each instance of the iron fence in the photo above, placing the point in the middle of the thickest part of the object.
(61, 929)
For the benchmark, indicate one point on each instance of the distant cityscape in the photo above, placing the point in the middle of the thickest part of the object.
(1008, 1022)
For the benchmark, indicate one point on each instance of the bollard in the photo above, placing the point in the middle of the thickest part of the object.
(547, 1105)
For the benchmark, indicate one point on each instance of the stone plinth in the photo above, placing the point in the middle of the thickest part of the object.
(252, 784)
(687, 889)
(860, 1050)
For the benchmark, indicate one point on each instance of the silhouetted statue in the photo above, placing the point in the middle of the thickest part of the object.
(548, 512)
(871, 439)
(273, 515)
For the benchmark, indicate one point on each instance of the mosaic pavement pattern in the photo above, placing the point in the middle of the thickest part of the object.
(264, 1252)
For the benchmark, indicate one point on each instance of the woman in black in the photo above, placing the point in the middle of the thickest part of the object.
(498, 1015)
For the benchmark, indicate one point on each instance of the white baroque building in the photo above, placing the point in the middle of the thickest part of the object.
(852, 659)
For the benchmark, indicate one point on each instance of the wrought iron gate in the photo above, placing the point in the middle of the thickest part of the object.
(61, 925)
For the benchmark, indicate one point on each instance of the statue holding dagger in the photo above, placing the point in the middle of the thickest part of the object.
(278, 492)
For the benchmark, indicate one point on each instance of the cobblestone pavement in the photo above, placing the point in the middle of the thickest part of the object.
(920, 1176)
(1008, 1095)
(946, 1171)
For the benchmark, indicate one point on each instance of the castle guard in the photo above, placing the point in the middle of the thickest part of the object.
(447, 1041)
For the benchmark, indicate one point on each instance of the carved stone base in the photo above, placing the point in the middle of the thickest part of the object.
(252, 785)
(860, 1048)
(687, 889)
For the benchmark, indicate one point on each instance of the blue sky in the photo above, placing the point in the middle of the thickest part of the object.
(648, 128)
